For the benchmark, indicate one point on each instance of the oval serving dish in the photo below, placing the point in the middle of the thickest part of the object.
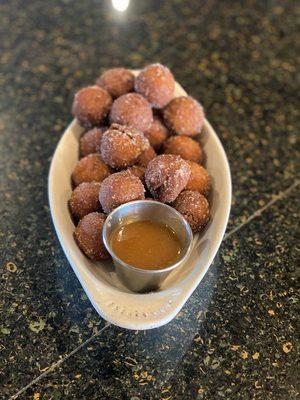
(113, 301)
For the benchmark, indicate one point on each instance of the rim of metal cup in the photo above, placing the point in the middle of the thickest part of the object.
(148, 271)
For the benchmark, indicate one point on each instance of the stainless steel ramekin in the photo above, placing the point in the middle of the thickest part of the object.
(136, 279)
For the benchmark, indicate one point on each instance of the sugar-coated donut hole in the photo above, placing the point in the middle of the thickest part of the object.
(90, 168)
(199, 179)
(156, 83)
(85, 199)
(90, 142)
(194, 207)
(91, 105)
(157, 133)
(132, 109)
(166, 176)
(121, 146)
(184, 116)
(117, 81)
(88, 236)
(119, 188)
(185, 147)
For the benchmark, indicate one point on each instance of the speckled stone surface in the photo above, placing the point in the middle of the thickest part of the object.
(238, 59)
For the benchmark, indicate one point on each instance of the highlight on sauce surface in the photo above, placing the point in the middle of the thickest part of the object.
(146, 244)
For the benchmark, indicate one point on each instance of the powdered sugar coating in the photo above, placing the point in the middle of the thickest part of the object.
(184, 147)
(166, 176)
(85, 199)
(194, 207)
(117, 81)
(157, 133)
(132, 109)
(91, 105)
(146, 156)
(184, 116)
(88, 236)
(122, 145)
(90, 142)
(156, 83)
(90, 168)
(199, 179)
(119, 188)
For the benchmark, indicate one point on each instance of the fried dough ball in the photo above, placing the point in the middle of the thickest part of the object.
(88, 236)
(194, 207)
(166, 176)
(138, 171)
(85, 199)
(146, 156)
(184, 116)
(91, 105)
(131, 109)
(199, 180)
(122, 145)
(156, 83)
(157, 133)
(90, 142)
(119, 188)
(117, 81)
(90, 168)
(184, 147)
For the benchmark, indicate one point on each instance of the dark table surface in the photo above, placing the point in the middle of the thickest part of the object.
(236, 336)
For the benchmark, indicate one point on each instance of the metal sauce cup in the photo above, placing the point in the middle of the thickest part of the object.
(137, 279)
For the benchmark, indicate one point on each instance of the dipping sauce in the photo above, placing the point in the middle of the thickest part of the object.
(146, 244)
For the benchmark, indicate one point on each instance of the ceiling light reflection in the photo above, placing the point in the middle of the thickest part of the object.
(120, 5)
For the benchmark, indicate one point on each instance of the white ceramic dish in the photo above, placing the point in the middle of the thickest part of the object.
(110, 298)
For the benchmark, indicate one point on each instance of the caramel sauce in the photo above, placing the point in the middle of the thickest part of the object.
(146, 244)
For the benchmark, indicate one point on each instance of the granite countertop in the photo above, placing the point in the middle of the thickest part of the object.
(236, 337)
